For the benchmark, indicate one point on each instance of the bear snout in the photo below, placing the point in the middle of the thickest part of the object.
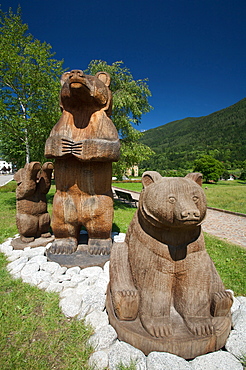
(76, 73)
(190, 215)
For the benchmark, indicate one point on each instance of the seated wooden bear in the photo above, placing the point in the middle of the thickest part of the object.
(165, 293)
(84, 144)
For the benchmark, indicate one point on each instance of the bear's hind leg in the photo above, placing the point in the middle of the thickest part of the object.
(27, 226)
(44, 225)
(64, 225)
(156, 296)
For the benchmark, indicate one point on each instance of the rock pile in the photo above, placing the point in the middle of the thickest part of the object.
(82, 295)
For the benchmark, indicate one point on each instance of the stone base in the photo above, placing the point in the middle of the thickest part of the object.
(39, 242)
(80, 258)
(182, 343)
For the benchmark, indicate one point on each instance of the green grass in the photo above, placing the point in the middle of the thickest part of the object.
(34, 334)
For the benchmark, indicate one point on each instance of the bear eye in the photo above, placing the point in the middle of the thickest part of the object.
(172, 199)
(195, 198)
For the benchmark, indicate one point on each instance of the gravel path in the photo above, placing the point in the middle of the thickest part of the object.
(227, 226)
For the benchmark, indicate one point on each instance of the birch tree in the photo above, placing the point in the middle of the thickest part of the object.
(29, 91)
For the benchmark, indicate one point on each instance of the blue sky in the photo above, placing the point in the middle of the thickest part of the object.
(192, 51)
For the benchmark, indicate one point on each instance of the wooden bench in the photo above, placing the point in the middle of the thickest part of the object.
(126, 197)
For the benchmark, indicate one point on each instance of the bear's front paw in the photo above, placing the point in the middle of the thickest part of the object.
(200, 326)
(221, 303)
(126, 303)
(158, 327)
(63, 246)
(99, 246)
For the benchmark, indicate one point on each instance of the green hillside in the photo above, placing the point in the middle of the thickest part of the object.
(221, 134)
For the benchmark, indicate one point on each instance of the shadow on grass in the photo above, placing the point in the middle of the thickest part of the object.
(121, 205)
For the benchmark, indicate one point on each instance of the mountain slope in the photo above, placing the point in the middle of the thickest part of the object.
(178, 143)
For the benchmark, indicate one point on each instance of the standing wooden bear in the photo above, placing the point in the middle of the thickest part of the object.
(33, 183)
(84, 144)
(165, 294)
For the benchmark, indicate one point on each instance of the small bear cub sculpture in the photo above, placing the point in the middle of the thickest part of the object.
(33, 183)
(162, 270)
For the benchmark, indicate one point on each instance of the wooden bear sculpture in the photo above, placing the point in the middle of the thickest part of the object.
(84, 144)
(164, 292)
(33, 183)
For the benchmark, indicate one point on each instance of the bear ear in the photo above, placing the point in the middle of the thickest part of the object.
(64, 78)
(149, 177)
(195, 176)
(104, 77)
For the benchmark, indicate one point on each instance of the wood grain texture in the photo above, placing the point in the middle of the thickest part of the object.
(164, 287)
(33, 183)
(84, 143)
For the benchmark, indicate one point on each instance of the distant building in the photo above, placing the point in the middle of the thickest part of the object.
(5, 167)
(132, 171)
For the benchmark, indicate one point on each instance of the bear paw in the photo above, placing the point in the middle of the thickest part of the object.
(46, 235)
(221, 303)
(126, 303)
(158, 327)
(200, 326)
(63, 246)
(99, 246)
(27, 239)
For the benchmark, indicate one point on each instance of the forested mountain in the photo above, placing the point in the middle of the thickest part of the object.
(221, 134)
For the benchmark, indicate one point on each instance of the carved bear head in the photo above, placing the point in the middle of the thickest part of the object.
(79, 91)
(172, 201)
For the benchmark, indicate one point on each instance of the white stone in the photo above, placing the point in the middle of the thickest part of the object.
(6, 248)
(239, 320)
(103, 338)
(85, 285)
(28, 273)
(236, 343)
(32, 252)
(51, 267)
(14, 264)
(120, 238)
(91, 271)
(43, 276)
(106, 269)
(216, 361)
(101, 282)
(69, 284)
(167, 361)
(15, 255)
(39, 259)
(97, 319)
(71, 305)
(66, 292)
(98, 360)
(43, 285)
(93, 300)
(60, 278)
(77, 278)
(54, 287)
(73, 271)
(125, 354)
(242, 301)
(235, 306)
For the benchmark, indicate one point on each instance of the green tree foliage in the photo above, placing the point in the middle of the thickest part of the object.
(130, 102)
(210, 167)
(29, 91)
